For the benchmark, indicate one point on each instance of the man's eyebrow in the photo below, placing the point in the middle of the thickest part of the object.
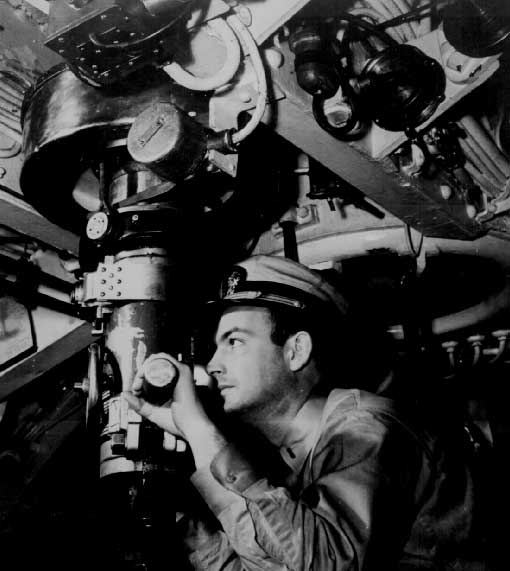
(235, 329)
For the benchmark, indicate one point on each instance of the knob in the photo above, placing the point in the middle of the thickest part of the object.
(159, 378)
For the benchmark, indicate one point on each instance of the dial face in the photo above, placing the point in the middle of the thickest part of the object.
(97, 226)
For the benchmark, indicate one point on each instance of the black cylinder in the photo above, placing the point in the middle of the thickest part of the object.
(477, 28)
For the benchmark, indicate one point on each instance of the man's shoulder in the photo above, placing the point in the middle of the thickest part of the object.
(347, 401)
(347, 406)
(350, 409)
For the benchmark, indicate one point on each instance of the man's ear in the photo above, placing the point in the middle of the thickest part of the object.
(298, 350)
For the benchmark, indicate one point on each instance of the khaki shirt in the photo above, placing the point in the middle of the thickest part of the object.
(364, 490)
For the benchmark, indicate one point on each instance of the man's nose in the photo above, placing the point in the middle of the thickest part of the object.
(215, 366)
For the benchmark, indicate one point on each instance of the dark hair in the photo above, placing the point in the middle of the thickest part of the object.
(328, 335)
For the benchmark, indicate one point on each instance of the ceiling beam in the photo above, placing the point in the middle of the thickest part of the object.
(17, 214)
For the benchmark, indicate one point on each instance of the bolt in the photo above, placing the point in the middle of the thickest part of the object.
(470, 211)
(103, 281)
(446, 191)
(274, 57)
(3, 172)
(303, 211)
(134, 218)
(103, 268)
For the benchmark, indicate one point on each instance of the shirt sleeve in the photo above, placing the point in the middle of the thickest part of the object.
(331, 525)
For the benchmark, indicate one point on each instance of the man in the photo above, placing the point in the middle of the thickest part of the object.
(363, 487)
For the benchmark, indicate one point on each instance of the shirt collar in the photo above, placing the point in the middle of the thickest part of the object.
(303, 432)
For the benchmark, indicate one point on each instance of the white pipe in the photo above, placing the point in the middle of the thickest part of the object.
(16, 94)
(256, 60)
(12, 151)
(487, 164)
(396, 11)
(474, 158)
(11, 122)
(9, 98)
(481, 138)
(11, 133)
(425, 23)
(475, 314)
(9, 108)
(224, 75)
(488, 161)
(481, 180)
(405, 8)
(381, 6)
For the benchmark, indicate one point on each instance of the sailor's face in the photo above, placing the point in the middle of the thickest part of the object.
(249, 368)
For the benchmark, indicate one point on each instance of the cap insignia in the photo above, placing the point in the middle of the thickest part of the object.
(234, 280)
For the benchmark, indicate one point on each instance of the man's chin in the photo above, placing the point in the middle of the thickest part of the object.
(231, 406)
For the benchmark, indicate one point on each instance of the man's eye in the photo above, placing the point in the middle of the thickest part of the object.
(234, 342)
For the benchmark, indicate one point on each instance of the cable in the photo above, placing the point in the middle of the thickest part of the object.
(374, 29)
(260, 72)
(409, 16)
(224, 75)
(415, 252)
(11, 151)
(379, 20)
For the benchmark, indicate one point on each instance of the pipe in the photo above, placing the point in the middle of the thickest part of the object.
(9, 98)
(395, 10)
(16, 94)
(450, 347)
(495, 354)
(405, 8)
(380, 7)
(7, 119)
(258, 66)
(425, 24)
(477, 163)
(488, 164)
(11, 109)
(11, 133)
(481, 162)
(479, 178)
(475, 314)
(486, 143)
(12, 151)
(224, 75)
(476, 344)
